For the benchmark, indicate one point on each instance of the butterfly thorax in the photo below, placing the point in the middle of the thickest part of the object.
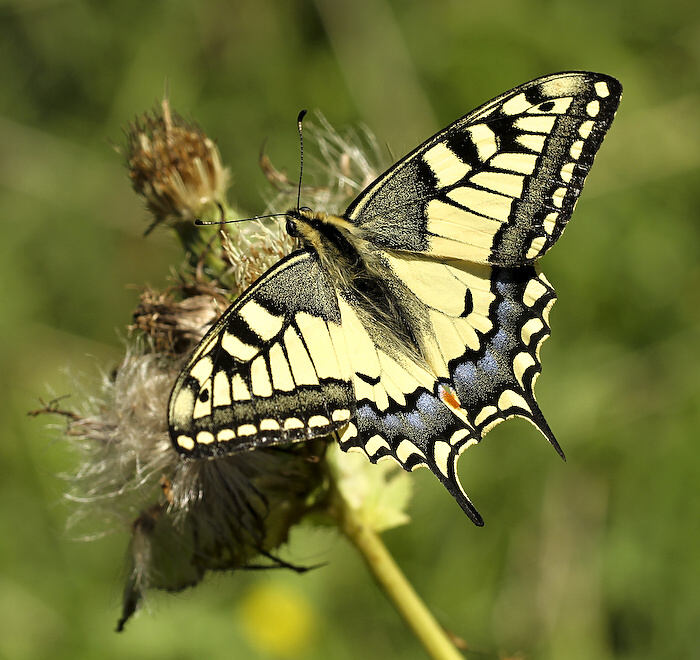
(329, 237)
(359, 274)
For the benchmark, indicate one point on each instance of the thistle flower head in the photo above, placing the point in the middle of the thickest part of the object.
(175, 319)
(175, 167)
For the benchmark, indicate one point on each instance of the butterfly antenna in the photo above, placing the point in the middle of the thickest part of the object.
(300, 119)
(223, 221)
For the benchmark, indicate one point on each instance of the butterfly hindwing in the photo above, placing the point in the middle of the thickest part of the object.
(402, 412)
(274, 369)
(484, 338)
(498, 185)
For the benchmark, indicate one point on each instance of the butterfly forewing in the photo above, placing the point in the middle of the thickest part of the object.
(274, 369)
(499, 185)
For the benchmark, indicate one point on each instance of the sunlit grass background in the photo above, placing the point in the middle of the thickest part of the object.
(598, 557)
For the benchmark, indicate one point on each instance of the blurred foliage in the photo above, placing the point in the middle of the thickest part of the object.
(595, 558)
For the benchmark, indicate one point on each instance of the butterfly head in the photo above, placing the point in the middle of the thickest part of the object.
(330, 237)
(302, 220)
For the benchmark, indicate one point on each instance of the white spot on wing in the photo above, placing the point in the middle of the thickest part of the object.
(601, 89)
(340, 415)
(239, 388)
(444, 163)
(515, 162)
(202, 408)
(535, 123)
(558, 197)
(576, 148)
(522, 362)
(246, 430)
(226, 435)
(531, 327)
(585, 129)
(510, 399)
(484, 140)
(236, 348)
(459, 435)
(281, 375)
(348, 433)
(205, 438)
(484, 414)
(406, 449)
(202, 369)
(567, 172)
(533, 292)
(517, 105)
(363, 390)
(533, 142)
(221, 391)
(183, 406)
(185, 442)
(536, 247)
(262, 322)
(550, 222)
(374, 444)
(380, 397)
(316, 421)
(259, 379)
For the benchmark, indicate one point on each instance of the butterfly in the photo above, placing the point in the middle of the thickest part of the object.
(411, 324)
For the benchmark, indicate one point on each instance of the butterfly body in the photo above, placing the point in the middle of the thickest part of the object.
(411, 324)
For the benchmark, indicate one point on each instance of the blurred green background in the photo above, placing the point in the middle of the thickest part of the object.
(598, 557)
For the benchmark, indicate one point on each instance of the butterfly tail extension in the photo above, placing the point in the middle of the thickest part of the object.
(421, 432)
(450, 480)
(540, 423)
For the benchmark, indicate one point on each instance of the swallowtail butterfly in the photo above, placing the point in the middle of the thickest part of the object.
(411, 324)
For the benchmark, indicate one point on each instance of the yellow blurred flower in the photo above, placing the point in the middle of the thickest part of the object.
(278, 620)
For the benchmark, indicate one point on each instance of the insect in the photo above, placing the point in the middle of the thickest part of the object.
(411, 324)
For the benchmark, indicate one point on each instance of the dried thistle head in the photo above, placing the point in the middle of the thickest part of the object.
(175, 167)
(185, 517)
(175, 322)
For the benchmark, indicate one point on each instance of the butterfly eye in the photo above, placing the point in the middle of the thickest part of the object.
(292, 228)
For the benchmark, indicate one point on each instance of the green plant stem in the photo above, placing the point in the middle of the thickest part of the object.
(394, 583)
